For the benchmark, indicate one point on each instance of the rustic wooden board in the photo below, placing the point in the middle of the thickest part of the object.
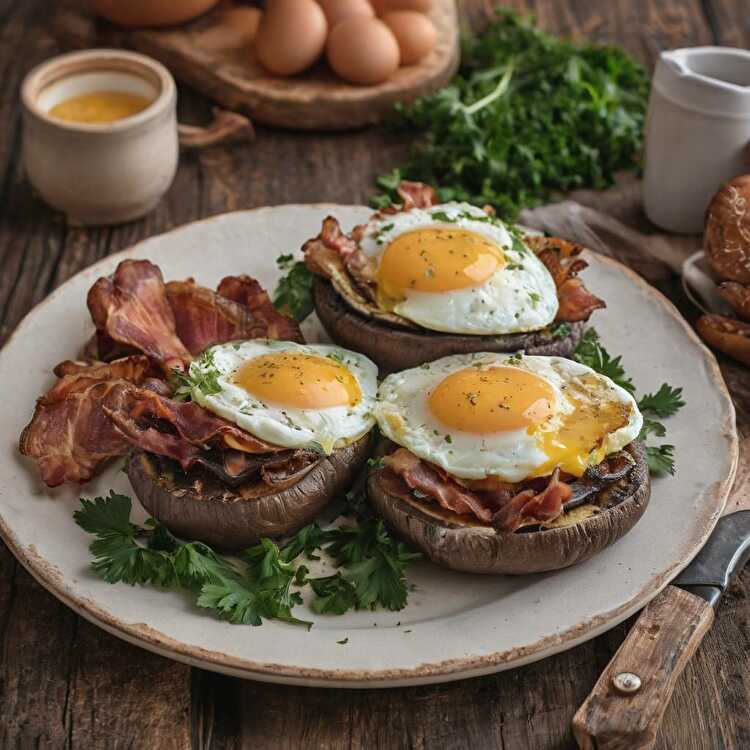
(212, 58)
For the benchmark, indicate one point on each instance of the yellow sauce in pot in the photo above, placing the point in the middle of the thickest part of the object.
(100, 107)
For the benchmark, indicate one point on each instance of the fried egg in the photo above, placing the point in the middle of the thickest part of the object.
(512, 417)
(453, 268)
(292, 395)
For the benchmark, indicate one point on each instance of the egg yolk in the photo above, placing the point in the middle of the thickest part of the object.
(436, 259)
(492, 399)
(305, 381)
(579, 440)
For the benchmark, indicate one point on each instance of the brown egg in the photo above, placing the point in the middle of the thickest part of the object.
(291, 36)
(415, 33)
(363, 50)
(340, 10)
(384, 6)
(132, 13)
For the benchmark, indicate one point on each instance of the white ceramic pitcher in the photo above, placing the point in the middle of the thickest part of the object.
(697, 132)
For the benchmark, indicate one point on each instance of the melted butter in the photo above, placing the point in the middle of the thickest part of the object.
(100, 107)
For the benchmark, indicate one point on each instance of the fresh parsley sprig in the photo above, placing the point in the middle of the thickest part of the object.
(528, 115)
(263, 581)
(202, 375)
(372, 567)
(293, 295)
(663, 403)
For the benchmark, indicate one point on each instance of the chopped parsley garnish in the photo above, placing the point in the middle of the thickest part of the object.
(560, 330)
(202, 375)
(258, 584)
(528, 115)
(376, 463)
(293, 295)
(665, 402)
(535, 298)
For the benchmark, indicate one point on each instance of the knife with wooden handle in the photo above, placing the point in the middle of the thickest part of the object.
(624, 710)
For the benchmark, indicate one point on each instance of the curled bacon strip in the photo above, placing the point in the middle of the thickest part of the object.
(131, 309)
(70, 435)
(188, 421)
(562, 261)
(423, 477)
(359, 266)
(529, 505)
(247, 291)
(505, 506)
(416, 195)
(204, 318)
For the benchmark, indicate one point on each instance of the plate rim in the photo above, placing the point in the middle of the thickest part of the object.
(142, 634)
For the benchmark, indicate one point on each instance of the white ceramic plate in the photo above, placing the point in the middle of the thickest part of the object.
(455, 625)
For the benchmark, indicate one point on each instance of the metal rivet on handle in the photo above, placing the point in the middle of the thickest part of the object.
(627, 682)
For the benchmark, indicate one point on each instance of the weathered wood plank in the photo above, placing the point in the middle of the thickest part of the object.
(730, 21)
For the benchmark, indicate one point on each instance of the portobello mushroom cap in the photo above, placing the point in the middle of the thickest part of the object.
(448, 540)
(198, 506)
(394, 349)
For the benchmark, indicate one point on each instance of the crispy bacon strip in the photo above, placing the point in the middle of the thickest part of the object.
(324, 258)
(529, 505)
(422, 477)
(131, 309)
(416, 195)
(359, 266)
(70, 435)
(204, 318)
(576, 302)
(506, 506)
(247, 291)
(562, 261)
(189, 420)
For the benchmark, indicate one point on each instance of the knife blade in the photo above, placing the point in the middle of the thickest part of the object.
(625, 707)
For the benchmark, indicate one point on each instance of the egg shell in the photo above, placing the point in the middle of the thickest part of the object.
(363, 51)
(415, 33)
(384, 6)
(291, 36)
(339, 10)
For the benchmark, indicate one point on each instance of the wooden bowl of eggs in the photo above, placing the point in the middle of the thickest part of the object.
(302, 64)
(364, 43)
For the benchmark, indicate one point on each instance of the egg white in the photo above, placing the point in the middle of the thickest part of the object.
(288, 426)
(404, 416)
(519, 297)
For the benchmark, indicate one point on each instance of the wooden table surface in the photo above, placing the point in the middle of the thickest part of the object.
(65, 683)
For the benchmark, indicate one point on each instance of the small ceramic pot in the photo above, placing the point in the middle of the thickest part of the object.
(134, 13)
(697, 132)
(100, 173)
